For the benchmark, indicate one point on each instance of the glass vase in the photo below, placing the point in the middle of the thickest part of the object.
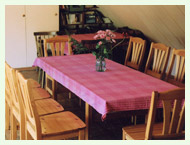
(100, 65)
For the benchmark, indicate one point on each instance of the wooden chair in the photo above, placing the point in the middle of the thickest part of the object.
(44, 106)
(173, 118)
(57, 47)
(135, 52)
(179, 75)
(16, 109)
(39, 37)
(7, 102)
(157, 60)
(9, 95)
(61, 125)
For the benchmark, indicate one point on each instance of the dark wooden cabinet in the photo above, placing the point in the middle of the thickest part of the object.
(82, 19)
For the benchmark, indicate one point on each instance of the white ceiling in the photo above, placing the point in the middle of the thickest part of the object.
(161, 23)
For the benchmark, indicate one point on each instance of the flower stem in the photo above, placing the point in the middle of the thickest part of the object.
(119, 43)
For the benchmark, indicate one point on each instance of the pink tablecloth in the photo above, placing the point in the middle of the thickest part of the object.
(118, 89)
(90, 36)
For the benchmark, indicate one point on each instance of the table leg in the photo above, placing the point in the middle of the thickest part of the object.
(88, 118)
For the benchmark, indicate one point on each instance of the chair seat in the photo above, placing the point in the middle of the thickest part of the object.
(40, 93)
(48, 106)
(60, 123)
(137, 132)
(35, 84)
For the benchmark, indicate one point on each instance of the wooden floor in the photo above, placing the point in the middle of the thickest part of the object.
(110, 129)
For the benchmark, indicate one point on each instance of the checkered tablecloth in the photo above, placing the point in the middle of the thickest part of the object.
(90, 36)
(119, 88)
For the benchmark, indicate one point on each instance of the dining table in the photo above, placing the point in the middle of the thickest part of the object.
(119, 88)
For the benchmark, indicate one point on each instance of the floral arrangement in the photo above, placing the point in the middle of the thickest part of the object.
(103, 47)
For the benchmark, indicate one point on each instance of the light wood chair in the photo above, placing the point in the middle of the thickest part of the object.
(178, 79)
(57, 47)
(7, 102)
(44, 105)
(9, 94)
(173, 118)
(16, 108)
(135, 52)
(157, 60)
(56, 126)
(39, 37)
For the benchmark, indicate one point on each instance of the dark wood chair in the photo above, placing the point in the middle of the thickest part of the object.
(135, 52)
(178, 78)
(173, 118)
(157, 60)
(39, 37)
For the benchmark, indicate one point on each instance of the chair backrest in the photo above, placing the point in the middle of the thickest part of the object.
(173, 114)
(7, 86)
(32, 118)
(39, 36)
(57, 45)
(157, 60)
(16, 101)
(179, 76)
(135, 52)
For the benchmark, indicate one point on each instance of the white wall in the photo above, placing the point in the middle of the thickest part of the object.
(15, 40)
(39, 18)
(20, 44)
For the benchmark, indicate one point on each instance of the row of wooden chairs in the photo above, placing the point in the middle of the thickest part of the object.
(172, 127)
(38, 115)
(157, 60)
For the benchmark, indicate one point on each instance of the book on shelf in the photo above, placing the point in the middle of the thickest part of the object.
(74, 18)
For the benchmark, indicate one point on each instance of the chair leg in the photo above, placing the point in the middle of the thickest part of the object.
(22, 130)
(40, 75)
(81, 135)
(54, 91)
(7, 116)
(146, 118)
(13, 127)
(70, 95)
(43, 79)
(134, 119)
(80, 102)
(28, 136)
(123, 136)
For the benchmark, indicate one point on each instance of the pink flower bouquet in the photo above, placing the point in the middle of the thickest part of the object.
(103, 47)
